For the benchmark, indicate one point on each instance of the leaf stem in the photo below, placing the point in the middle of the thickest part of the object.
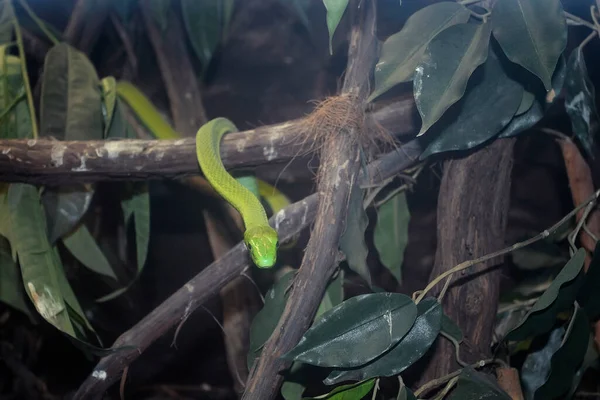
(466, 264)
(26, 82)
(439, 381)
(578, 20)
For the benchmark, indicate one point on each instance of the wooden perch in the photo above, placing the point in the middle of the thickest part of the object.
(46, 161)
(211, 280)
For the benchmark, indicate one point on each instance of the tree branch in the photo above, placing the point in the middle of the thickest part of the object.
(46, 161)
(338, 172)
(213, 278)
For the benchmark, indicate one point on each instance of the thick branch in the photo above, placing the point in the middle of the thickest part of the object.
(55, 162)
(211, 280)
(338, 172)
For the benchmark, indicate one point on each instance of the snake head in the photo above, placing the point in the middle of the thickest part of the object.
(262, 243)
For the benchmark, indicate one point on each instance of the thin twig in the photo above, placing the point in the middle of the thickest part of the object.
(516, 246)
(39, 22)
(440, 381)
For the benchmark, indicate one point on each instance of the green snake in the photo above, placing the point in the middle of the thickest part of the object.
(259, 237)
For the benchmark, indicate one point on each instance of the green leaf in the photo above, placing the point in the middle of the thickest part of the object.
(203, 21)
(138, 207)
(266, 320)
(355, 391)
(522, 122)
(391, 233)
(335, 11)
(352, 241)
(334, 295)
(580, 101)
(41, 269)
(11, 286)
(7, 21)
(536, 367)
(292, 390)
(109, 100)
(405, 394)
(567, 359)
(473, 385)
(447, 64)
(588, 296)
(526, 102)
(450, 328)
(410, 349)
(402, 51)
(488, 106)
(71, 101)
(64, 207)
(16, 120)
(83, 246)
(356, 331)
(557, 298)
(532, 34)
(591, 358)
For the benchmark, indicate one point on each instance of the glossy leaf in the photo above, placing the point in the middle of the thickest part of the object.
(536, 367)
(523, 122)
(557, 298)
(567, 359)
(84, 248)
(410, 349)
(266, 320)
(11, 286)
(352, 241)
(580, 101)
(136, 209)
(355, 391)
(335, 11)
(473, 385)
(491, 100)
(109, 101)
(41, 268)
(532, 34)
(448, 62)
(588, 296)
(203, 22)
(391, 233)
(64, 207)
(356, 331)
(402, 51)
(450, 328)
(526, 102)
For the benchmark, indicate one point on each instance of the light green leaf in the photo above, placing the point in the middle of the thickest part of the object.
(402, 51)
(204, 23)
(335, 11)
(352, 241)
(391, 233)
(532, 33)
(355, 391)
(266, 320)
(473, 385)
(138, 206)
(356, 331)
(11, 286)
(109, 100)
(83, 246)
(410, 349)
(447, 64)
(490, 102)
(558, 297)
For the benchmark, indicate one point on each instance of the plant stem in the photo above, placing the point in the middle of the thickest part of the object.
(439, 381)
(39, 22)
(516, 246)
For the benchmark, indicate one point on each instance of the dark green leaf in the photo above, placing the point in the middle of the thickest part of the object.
(580, 101)
(159, 9)
(41, 268)
(473, 385)
(83, 246)
(204, 23)
(410, 349)
(335, 11)
(447, 64)
(588, 296)
(356, 331)
(523, 122)
(405, 394)
(138, 207)
(526, 102)
(267, 318)
(355, 391)
(11, 286)
(532, 34)
(391, 233)
(537, 366)
(402, 51)
(450, 328)
(567, 359)
(352, 241)
(487, 107)
(590, 360)
(557, 298)
(334, 295)
(292, 390)
(7, 20)
(64, 208)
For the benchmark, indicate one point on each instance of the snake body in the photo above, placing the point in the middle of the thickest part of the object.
(260, 238)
